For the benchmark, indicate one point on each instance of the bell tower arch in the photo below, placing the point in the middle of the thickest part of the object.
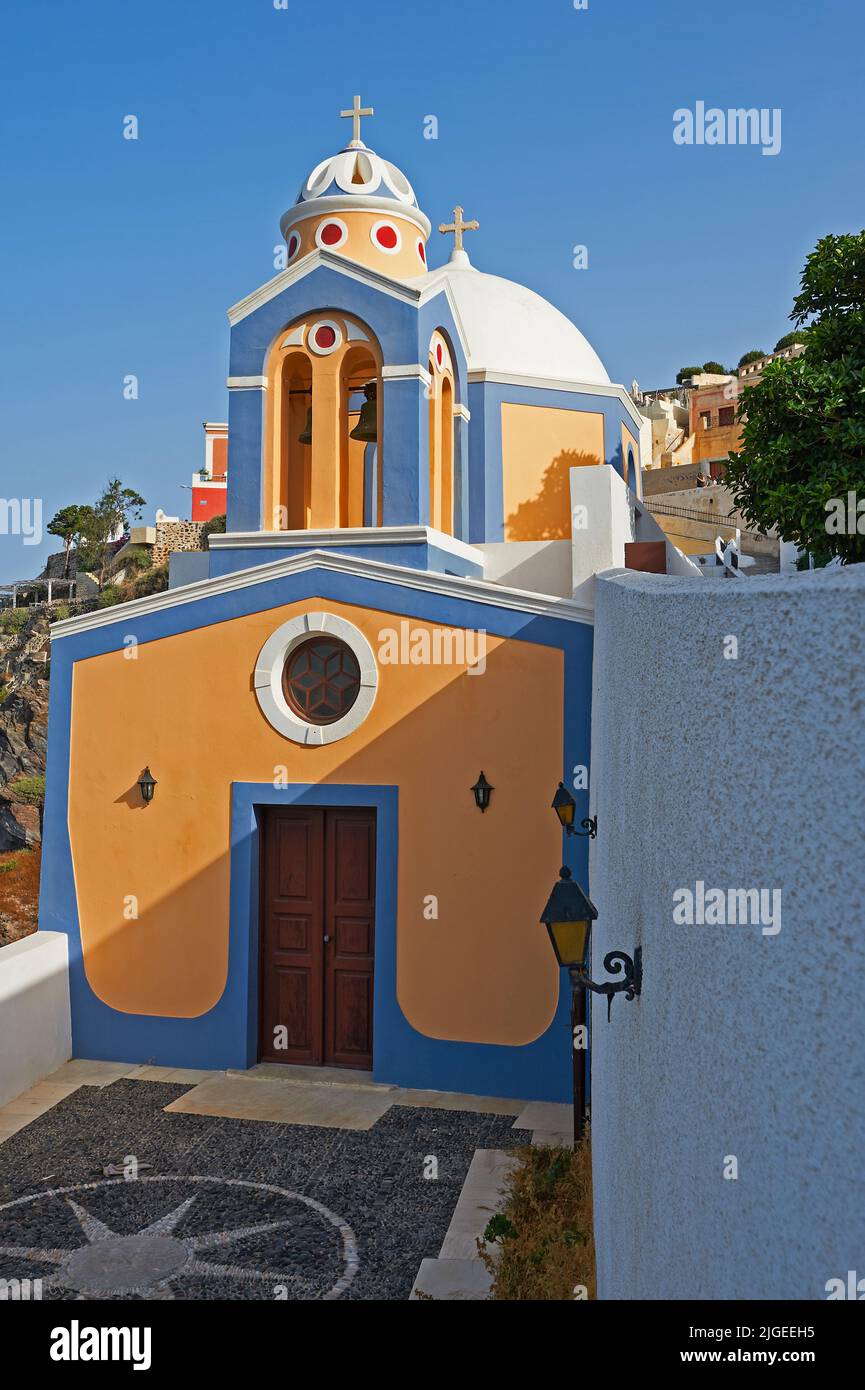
(322, 448)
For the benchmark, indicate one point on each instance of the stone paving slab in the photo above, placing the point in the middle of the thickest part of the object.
(449, 1280)
(231, 1208)
(550, 1138)
(479, 1199)
(546, 1115)
(289, 1074)
(329, 1107)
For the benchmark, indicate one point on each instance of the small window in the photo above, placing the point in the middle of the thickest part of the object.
(705, 419)
(321, 680)
(727, 415)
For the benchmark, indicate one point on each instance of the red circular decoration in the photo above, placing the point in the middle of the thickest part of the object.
(325, 337)
(293, 245)
(331, 234)
(439, 354)
(387, 237)
(421, 250)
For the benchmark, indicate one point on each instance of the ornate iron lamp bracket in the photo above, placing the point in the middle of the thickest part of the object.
(614, 961)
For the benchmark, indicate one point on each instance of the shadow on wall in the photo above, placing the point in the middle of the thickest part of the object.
(547, 517)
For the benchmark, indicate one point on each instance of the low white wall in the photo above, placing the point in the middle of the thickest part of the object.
(738, 772)
(35, 1025)
(541, 567)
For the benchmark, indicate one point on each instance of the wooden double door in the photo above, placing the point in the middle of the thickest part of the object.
(317, 936)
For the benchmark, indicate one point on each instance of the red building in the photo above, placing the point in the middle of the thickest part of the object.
(210, 484)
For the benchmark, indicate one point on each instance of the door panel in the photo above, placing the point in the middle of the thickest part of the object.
(292, 930)
(317, 936)
(350, 916)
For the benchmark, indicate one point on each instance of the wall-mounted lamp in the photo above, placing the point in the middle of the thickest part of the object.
(147, 783)
(565, 806)
(482, 793)
(568, 917)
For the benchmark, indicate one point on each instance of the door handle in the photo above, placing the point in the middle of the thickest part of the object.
(325, 939)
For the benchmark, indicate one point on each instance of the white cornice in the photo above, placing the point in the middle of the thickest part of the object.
(448, 586)
(397, 289)
(349, 535)
(246, 383)
(411, 372)
(555, 383)
(463, 412)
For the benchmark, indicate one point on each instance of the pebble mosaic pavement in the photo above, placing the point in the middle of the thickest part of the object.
(228, 1208)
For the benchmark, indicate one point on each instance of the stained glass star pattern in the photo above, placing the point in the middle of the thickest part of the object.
(321, 680)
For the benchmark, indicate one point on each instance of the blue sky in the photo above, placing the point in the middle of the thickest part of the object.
(555, 129)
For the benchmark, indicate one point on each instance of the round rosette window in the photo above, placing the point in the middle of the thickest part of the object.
(316, 679)
(321, 679)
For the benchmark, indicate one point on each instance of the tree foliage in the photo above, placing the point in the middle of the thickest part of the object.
(797, 336)
(98, 526)
(803, 439)
(754, 355)
(68, 524)
(715, 368)
(684, 372)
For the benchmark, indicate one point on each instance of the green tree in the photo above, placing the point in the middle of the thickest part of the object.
(803, 440)
(797, 336)
(684, 372)
(117, 507)
(67, 524)
(714, 367)
(754, 355)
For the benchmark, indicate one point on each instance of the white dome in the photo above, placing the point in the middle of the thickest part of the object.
(508, 328)
(358, 178)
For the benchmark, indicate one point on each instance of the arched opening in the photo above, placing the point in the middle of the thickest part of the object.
(632, 470)
(322, 453)
(360, 436)
(441, 436)
(296, 451)
(446, 519)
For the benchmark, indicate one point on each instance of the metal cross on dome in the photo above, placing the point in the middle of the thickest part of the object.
(355, 114)
(458, 226)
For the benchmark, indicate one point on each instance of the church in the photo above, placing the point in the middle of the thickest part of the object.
(298, 805)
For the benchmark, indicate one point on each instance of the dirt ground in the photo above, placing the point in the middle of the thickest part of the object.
(19, 894)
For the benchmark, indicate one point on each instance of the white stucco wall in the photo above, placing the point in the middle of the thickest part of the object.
(35, 1027)
(745, 772)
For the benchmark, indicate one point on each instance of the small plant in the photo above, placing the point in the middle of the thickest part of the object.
(4, 693)
(499, 1228)
(12, 621)
(544, 1245)
(109, 596)
(28, 789)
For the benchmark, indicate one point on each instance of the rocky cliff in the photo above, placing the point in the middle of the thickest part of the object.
(24, 668)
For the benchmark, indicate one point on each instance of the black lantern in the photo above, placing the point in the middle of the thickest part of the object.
(565, 807)
(482, 793)
(568, 917)
(147, 783)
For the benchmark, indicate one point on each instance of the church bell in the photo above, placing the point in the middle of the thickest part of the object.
(305, 436)
(366, 428)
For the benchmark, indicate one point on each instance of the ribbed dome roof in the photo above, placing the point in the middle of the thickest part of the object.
(358, 177)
